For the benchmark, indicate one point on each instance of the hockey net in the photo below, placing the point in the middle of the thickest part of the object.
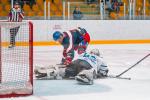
(16, 63)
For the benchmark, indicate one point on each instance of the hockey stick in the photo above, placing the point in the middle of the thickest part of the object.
(133, 65)
(111, 76)
(61, 65)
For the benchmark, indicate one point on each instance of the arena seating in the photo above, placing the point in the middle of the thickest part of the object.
(56, 8)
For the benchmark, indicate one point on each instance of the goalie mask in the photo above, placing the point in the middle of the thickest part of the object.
(95, 52)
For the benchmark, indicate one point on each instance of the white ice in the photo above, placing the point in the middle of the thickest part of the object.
(118, 57)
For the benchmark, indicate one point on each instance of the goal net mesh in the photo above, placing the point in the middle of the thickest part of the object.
(16, 58)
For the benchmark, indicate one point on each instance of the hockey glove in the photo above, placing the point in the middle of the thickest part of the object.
(67, 61)
(65, 53)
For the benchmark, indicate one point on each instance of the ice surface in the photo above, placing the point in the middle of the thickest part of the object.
(118, 57)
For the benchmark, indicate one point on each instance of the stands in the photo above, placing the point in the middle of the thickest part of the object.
(56, 9)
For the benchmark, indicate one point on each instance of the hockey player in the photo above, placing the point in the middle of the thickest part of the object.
(16, 15)
(87, 67)
(72, 40)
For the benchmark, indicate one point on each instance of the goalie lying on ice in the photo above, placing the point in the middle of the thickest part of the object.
(87, 67)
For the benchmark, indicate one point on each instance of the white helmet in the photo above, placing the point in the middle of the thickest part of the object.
(95, 52)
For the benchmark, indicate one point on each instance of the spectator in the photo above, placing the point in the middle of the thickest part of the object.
(91, 1)
(23, 2)
(77, 14)
(31, 3)
(115, 6)
(53, 1)
(108, 4)
(109, 7)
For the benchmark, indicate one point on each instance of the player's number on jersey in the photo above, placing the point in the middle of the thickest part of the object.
(90, 57)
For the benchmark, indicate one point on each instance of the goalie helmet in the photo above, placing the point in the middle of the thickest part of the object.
(95, 52)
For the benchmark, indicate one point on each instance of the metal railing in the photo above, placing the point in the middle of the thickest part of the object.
(130, 11)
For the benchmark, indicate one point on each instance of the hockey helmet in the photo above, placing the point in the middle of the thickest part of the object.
(56, 35)
(95, 52)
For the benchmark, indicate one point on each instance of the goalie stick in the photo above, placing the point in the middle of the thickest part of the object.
(114, 76)
(133, 65)
(118, 76)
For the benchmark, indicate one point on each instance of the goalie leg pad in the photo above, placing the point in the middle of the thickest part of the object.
(75, 67)
(85, 77)
(70, 72)
(49, 72)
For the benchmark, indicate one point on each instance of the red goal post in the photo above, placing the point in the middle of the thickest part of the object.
(16, 63)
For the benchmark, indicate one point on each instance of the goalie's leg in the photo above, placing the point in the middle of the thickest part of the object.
(49, 72)
(75, 67)
(41, 75)
(85, 77)
(82, 70)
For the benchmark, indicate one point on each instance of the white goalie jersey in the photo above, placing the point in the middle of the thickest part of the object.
(96, 62)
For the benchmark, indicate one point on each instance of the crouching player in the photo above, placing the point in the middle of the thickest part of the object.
(87, 67)
(72, 40)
